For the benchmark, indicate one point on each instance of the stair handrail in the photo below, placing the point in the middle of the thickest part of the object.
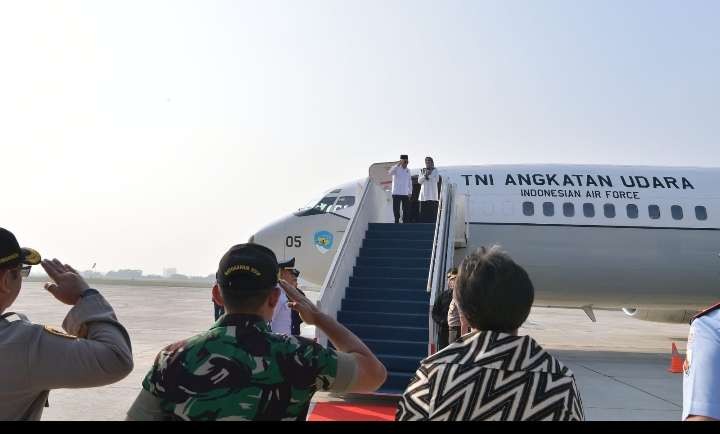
(442, 255)
(437, 234)
(331, 292)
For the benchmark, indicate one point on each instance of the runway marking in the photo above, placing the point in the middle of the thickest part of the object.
(630, 385)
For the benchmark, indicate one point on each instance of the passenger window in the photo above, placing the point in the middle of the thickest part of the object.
(344, 202)
(609, 210)
(632, 211)
(568, 209)
(528, 208)
(701, 213)
(654, 212)
(677, 212)
(548, 209)
(588, 210)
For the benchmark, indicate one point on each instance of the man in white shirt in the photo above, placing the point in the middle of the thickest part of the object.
(428, 180)
(401, 189)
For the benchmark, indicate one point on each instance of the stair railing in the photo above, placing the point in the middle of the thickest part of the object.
(370, 208)
(442, 255)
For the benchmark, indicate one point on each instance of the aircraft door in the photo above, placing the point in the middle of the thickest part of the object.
(379, 175)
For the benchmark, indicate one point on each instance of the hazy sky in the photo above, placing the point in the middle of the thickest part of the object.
(151, 134)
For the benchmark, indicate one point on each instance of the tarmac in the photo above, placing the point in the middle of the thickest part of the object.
(620, 363)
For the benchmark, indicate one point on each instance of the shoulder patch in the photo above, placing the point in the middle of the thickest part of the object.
(58, 332)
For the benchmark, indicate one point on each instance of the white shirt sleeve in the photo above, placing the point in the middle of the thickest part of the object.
(701, 380)
(282, 318)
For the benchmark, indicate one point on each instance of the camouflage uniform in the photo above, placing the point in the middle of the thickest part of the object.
(240, 370)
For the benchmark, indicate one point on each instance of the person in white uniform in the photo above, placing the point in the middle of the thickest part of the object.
(282, 318)
(428, 179)
(401, 189)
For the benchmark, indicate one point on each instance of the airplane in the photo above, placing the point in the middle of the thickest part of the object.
(639, 238)
(312, 234)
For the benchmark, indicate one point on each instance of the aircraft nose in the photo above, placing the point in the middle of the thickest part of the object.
(271, 236)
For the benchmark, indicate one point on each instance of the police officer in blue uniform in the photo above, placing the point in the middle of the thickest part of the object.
(701, 380)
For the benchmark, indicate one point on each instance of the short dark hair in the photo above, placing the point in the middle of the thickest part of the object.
(492, 291)
(245, 300)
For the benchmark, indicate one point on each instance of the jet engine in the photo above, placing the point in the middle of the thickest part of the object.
(661, 315)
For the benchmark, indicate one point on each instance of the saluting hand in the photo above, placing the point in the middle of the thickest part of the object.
(68, 283)
(298, 302)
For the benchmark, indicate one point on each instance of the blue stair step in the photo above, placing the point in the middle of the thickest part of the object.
(386, 303)
(365, 261)
(384, 306)
(356, 293)
(401, 235)
(374, 318)
(394, 243)
(397, 363)
(394, 252)
(410, 334)
(388, 282)
(398, 348)
(412, 273)
(427, 227)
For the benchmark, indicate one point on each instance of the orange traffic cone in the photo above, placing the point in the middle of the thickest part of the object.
(676, 361)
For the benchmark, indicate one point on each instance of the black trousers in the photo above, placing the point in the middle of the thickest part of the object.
(397, 200)
(443, 335)
(428, 211)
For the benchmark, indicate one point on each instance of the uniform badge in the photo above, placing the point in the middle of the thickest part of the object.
(58, 332)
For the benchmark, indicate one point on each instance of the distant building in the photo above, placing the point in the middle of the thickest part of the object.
(90, 274)
(202, 278)
(178, 277)
(168, 272)
(124, 274)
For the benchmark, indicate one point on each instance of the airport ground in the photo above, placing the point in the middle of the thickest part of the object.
(620, 363)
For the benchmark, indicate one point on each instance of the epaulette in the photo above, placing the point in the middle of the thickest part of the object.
(705, 312)
(58, 332)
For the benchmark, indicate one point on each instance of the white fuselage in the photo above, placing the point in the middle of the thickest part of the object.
(601, 236)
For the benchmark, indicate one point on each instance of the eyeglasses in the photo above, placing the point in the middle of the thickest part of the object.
(25, 271)
(295, 273)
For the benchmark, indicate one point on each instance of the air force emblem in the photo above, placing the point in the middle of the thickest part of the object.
(323, 241)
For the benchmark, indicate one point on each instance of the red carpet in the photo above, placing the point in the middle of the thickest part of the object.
(337, 411)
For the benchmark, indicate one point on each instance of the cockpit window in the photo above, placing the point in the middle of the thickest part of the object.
(325, 204)
(342, 203)
(318, 206)
(331, 201)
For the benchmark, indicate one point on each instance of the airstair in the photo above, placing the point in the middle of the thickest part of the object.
(384, 279)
